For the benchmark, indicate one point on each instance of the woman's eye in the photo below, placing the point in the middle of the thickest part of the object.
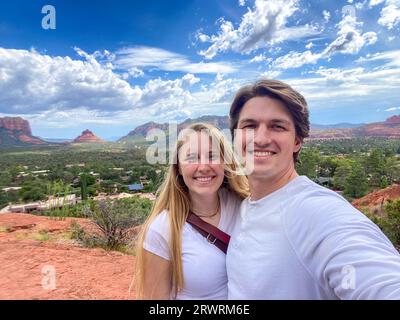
(213, 157)
(191, 158)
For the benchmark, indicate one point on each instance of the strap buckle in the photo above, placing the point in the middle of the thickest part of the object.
(211, 241)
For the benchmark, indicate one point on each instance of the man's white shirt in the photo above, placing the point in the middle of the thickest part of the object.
(304, 241)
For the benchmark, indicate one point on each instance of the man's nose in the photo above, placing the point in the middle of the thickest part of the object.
(262, 136)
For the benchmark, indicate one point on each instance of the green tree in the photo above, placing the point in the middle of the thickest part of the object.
(356, 184)
(84, 187)
(342, 171)
(308, 164)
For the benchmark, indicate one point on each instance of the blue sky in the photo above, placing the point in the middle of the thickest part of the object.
(112, 65)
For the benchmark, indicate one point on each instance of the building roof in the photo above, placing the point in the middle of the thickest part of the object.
(138, 186)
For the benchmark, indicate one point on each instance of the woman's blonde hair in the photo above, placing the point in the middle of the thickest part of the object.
(173, 196)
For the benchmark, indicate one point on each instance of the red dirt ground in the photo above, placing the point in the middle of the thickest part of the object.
(376, 199)
(80, 273)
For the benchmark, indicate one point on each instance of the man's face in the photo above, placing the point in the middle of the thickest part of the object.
(273, 137)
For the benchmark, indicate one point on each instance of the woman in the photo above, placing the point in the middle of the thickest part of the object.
(174, 261)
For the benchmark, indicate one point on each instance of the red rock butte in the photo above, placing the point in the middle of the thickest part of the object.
(18, 130)
(87, 136)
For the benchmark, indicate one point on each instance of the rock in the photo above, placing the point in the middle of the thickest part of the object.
(87, 136)
(15, 131)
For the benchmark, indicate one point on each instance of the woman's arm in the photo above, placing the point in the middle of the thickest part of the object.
(157, 277)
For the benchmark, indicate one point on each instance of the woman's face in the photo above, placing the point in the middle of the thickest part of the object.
(200, 164)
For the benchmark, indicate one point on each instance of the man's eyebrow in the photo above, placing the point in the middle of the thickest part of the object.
(248, 120)
(282, 121)
(278, 120)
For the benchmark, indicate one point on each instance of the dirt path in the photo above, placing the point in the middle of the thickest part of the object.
(39, 262)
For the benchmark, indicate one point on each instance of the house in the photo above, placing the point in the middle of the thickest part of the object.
(52, 203)
(11, 189)
(135, 187)
(324, 181)
(75, 165)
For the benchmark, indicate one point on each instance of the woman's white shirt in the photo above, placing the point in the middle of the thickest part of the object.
(204, 268)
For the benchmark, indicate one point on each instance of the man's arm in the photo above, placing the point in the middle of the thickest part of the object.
(344, 251)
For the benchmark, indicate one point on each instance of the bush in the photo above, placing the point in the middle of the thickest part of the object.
(115, 219)
(390, 222)
(87, 240)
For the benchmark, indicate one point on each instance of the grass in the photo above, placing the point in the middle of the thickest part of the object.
(42, 236)
(3, 229)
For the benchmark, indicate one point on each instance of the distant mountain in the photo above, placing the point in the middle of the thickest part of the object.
(87, 136)
(343, 125)
(221, 122)
(389, 128)
(16, 131)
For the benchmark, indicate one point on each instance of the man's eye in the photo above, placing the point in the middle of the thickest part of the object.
(249, 126)
(277, 127)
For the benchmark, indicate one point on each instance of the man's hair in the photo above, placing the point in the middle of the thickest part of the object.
(294, 102)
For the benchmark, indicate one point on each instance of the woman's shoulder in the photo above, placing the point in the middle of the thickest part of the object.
(160, 223)
(229, 198)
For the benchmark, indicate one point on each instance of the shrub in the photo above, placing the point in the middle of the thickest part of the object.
(115, 219)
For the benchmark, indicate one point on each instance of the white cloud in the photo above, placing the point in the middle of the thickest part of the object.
(31, 82)
(373, 3)
(242, 3)
(392, 109)
(393, 58)
(339, 85)
(261, 26)
(327, 15)
(260, 58)
(147, 57)
(349, 40)
(68, 92)
(390, 14)
(309, 45)
(271, 74)
(296, 59)
(135, 72)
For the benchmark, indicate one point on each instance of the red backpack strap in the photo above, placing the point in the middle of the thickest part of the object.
(213, 235)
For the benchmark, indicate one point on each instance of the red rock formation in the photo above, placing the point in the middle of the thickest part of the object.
(387, 129)
(393, 119)
(17, 131)
(87, 136)
(16, 124)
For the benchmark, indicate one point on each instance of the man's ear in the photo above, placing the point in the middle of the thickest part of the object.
(297, 144)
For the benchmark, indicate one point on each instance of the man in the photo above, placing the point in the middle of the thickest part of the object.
(295, 239)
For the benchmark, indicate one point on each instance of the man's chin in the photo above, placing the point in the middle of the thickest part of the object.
(261, 172)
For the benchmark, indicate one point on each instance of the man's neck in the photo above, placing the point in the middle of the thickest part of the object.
(263, 186)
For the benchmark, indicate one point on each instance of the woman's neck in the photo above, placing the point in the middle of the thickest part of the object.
(204, 204)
